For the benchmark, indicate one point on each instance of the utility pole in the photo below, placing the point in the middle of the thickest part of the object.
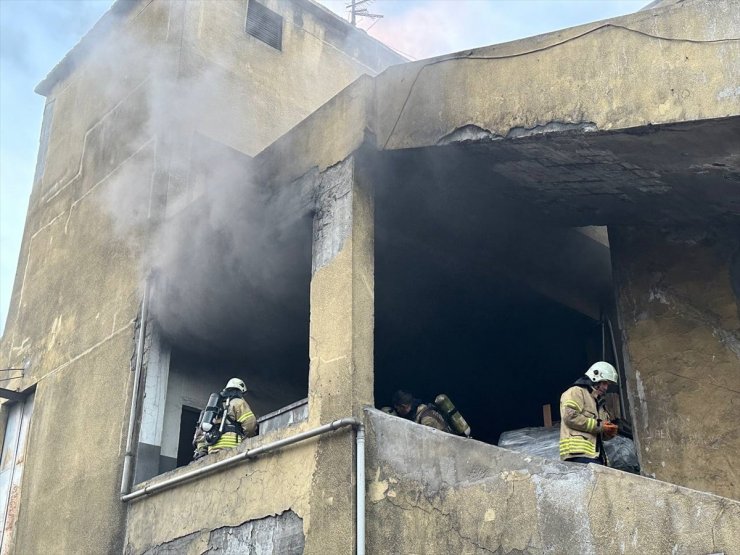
(355, 11)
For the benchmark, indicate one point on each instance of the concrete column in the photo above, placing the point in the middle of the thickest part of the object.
(342, 296)
(679, 319)
(341, 347)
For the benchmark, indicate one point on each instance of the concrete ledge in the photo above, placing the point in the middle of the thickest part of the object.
(434, 493)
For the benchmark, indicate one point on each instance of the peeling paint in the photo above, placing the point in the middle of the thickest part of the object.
(729, 92)
(552, 127)
(469, 134)
(333, 217)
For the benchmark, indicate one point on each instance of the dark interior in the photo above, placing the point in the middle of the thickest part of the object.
(479, 297)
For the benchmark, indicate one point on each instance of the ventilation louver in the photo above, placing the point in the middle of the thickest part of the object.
(265, 25)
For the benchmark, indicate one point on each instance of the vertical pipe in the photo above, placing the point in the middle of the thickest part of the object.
(603, 337)
(129, 456)
(622, 377)
(360, 496)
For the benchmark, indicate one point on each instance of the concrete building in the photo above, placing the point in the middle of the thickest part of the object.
(485, 223)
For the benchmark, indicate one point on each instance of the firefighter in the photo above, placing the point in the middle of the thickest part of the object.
(584, 422)
(200, 445)
(407, 406)
(240, 420)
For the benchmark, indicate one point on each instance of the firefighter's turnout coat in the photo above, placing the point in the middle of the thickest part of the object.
(429, 416)
(240, 413)
(580, 423)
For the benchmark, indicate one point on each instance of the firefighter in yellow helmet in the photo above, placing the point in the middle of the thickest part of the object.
(584, 422)
(240, 420)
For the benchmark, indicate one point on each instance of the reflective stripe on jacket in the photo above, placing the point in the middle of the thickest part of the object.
(579, 423)
(240, 412)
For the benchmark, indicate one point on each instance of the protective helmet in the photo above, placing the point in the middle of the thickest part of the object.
(236, 383)
(602, 371)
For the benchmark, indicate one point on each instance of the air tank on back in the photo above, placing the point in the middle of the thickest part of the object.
(211, 412)
(453, 416)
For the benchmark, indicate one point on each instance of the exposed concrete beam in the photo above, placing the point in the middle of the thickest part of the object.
(12, 395)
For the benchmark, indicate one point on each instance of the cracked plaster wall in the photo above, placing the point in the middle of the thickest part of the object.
(589, 82)
(679, 319)
(429, 492)
(262, 488)
(279, 535)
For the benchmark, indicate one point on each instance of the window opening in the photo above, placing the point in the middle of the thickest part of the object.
(265, 25)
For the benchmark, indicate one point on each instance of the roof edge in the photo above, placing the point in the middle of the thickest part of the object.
(79, 51)
(122, 7)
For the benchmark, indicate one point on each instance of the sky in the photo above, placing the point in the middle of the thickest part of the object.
(36, 34)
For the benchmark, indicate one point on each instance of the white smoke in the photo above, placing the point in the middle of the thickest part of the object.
(230, 258)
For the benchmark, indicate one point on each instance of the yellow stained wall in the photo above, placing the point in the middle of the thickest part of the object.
(118, 122)
(679, 319)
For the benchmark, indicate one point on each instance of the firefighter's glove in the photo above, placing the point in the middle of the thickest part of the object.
(609, 430)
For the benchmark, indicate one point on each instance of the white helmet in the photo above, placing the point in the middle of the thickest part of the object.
(602, 372)
(236, 383)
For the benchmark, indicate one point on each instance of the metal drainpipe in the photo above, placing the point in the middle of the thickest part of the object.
(251, 453)
(360, 493)
(129, 456)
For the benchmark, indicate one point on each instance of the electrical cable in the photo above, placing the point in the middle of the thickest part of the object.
(543, 49)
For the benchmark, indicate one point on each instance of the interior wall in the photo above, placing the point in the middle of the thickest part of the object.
(678, 306)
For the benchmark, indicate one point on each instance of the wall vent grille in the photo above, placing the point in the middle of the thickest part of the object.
(265, 25)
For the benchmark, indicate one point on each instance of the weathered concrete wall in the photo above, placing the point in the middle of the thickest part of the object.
(71, 323)
(260, 489)
(679, 317)
(268, 91)
(580, 78)
(126, 104)
(430, 492)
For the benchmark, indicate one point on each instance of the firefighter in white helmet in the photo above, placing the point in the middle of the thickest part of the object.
(584, 422)
(240, 421)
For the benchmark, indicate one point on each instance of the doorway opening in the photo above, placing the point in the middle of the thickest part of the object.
(188, 421)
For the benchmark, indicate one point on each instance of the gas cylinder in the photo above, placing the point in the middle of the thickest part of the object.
(452, 415)
(211, 412)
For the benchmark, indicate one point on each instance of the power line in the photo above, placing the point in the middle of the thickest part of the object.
(355, 11)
